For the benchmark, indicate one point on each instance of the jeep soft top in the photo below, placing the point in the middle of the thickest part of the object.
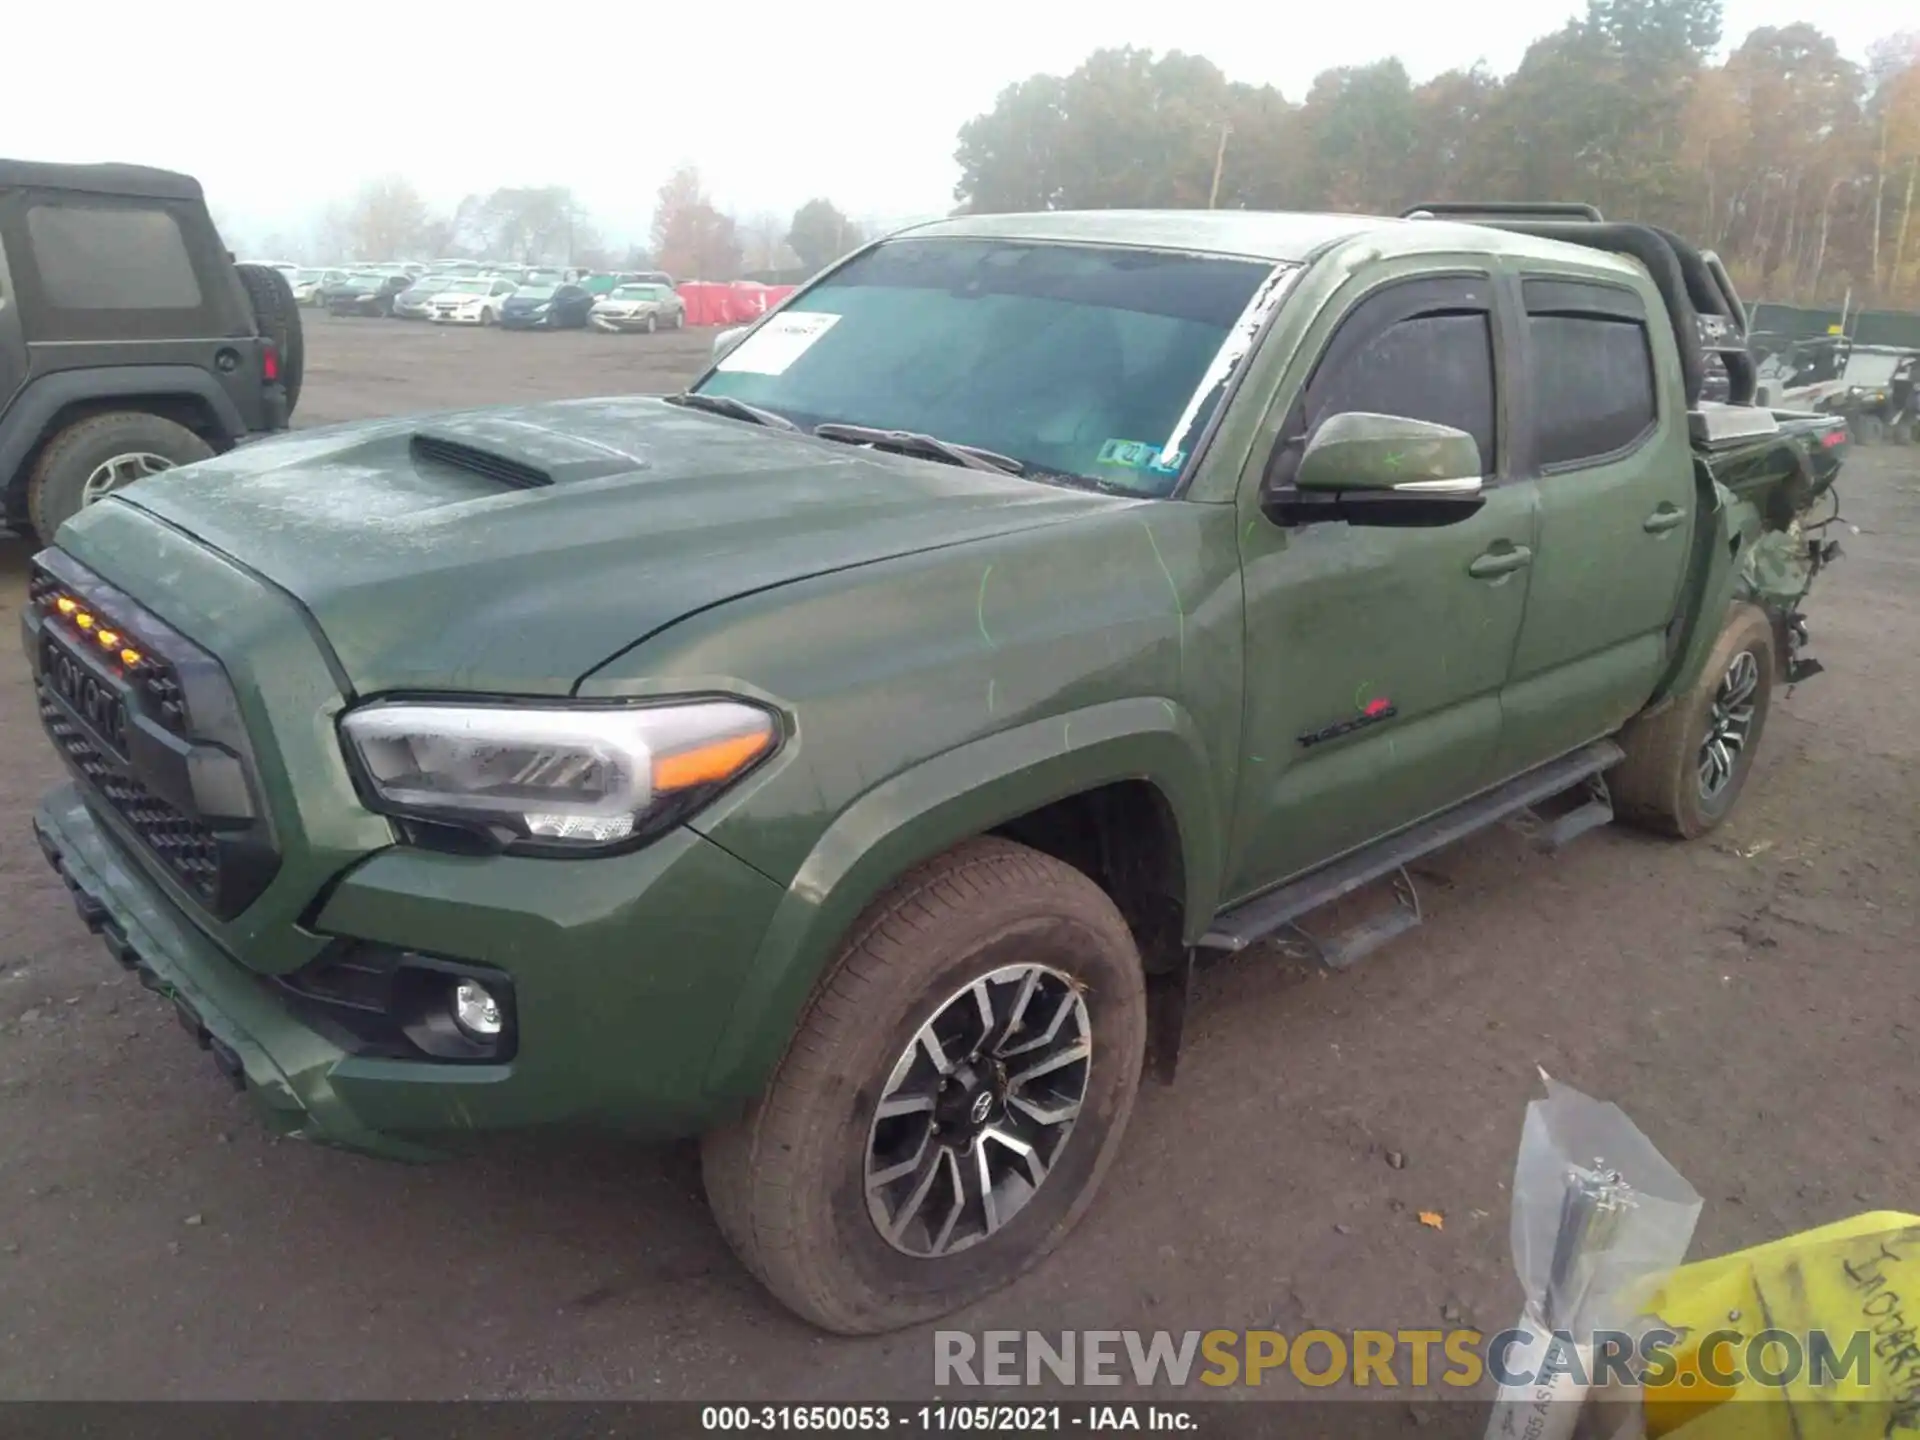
(130, 341)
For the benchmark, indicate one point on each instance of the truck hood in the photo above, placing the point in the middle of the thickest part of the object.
(514, 550)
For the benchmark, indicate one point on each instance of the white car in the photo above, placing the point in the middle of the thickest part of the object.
(307, 283)
(638, 307)
(474, 301)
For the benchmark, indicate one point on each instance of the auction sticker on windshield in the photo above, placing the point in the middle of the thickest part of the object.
(778, 343)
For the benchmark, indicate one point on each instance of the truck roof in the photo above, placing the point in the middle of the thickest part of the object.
(138, 180)
(1279, 236)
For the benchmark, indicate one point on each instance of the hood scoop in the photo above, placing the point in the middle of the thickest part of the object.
(439, 450)
(518, 455)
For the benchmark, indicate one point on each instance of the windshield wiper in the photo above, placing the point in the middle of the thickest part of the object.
(931, 447)
(727, 405)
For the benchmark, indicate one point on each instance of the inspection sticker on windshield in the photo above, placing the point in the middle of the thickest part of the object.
(1139, 455)
(780, 341)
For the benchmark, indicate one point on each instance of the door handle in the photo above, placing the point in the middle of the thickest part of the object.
(1662, 520)
(1496, 563)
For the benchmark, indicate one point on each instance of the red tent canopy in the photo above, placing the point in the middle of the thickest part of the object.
(710, 303)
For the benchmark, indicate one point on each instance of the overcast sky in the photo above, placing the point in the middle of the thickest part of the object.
(278, 108)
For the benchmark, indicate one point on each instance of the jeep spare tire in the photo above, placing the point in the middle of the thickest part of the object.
(277, 315)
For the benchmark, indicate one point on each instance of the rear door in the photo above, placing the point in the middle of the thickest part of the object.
(1601, 428)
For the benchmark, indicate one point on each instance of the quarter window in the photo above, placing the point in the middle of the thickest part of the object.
(1593, 387)
(99, 257)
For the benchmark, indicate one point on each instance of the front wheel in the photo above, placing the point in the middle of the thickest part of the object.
(1868, 429)
(953, 1097)
(1686, 765)
(653, 324)
(486, 317)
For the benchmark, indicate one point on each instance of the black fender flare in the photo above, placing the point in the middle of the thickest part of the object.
(34, 406)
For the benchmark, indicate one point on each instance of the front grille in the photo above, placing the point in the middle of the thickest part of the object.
(149, 724)
(186, 847)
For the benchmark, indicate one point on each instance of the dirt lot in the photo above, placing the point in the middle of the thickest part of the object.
(1752, 1002)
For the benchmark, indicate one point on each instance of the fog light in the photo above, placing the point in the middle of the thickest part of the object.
(475, 1011)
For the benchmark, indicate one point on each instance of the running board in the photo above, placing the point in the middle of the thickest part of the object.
(1250, 923)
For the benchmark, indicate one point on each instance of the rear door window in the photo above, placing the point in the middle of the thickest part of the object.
(1594, 394)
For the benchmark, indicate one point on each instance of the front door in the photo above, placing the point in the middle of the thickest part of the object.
(1605, 439)
(1375, 657)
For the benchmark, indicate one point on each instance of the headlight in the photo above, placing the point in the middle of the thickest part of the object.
(555, 779)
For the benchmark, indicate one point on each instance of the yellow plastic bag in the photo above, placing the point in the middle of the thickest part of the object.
(1848, 1294)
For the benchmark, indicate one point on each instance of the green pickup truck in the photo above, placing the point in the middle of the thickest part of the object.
(849, 759)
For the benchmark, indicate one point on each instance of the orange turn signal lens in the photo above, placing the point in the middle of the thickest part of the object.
(66, 604)
(83, 620)
(720, 760)
(107, 638)
(129, 657)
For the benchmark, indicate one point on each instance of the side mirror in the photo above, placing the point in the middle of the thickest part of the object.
(1383, 470)
(727, 339)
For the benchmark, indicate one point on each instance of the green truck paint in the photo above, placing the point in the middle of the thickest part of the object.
(949, 651)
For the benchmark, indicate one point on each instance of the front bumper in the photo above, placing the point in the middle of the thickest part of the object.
(623, 324)
(625, 971)
(455, 317)
(523, 320)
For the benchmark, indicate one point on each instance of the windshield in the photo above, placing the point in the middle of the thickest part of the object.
(538, 291)
(469, 287)
(1871, 369)
(637, 292)
(1089, 361)
(371, 279)
(542, 277)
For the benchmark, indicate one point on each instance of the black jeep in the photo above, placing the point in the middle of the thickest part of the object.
(130, 341)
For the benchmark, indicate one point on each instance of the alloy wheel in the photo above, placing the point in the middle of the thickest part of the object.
(977, 1109)
(121, 470)
(1729, 724)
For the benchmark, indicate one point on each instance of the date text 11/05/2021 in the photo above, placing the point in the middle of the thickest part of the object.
(938, 1419)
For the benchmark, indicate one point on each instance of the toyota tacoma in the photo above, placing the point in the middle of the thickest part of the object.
(848, 760)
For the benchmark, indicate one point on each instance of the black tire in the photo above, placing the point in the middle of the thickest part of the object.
(277, 314)
(787, 1183)
(653, 323)
(1868, 429)
(56, 486)
(486, 317)
(679, 320)
(1659, 786)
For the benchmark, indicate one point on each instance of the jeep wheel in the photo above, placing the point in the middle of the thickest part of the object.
(277, 314)
(950, 1101)
(99, 455)
(1686, 766)
(1867, 429)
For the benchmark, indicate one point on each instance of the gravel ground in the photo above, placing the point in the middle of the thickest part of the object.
(1750, 1001)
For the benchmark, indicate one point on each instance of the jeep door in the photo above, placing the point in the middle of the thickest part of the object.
(1600, 425)
(1375, 657)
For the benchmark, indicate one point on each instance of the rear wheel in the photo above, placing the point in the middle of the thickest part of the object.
(1867, 429)
(950, 1101)
(277, 315)
(103, 453)
(1686, 766)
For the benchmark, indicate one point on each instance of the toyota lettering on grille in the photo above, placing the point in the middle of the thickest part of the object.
(91, 699)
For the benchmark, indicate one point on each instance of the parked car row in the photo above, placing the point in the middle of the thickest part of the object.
(469, 292)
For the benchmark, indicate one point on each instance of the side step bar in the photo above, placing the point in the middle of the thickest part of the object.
(1257, 919)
